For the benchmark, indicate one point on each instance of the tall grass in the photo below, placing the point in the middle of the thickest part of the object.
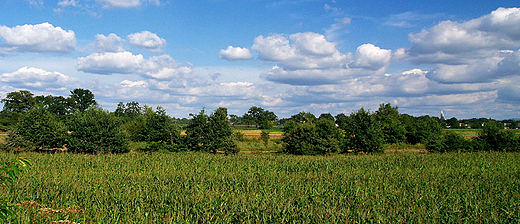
(268, 188)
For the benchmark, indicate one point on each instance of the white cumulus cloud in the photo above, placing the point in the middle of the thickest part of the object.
(35, 78)
(110, 43)
(235, 54)
(157, 67)
(37, 38)
(371, 57)
(147, 40)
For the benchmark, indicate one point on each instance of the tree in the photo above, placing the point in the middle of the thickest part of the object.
(391, 125)
(450, 142)
(18, 102)
(453, 123)
(303, 117)
(234, 119)
(210, 133)
(362, 133)
(42, 128)
(221, 132)
(96, 131)
(494, 137)
(422, 129)
(198, 132)
(326, 116)
(81, 99)
(58, 105)
(315, 137)
(263, 119)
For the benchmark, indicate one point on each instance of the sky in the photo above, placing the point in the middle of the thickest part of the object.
(286, 56)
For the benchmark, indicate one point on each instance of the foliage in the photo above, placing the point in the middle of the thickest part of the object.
(421, 129)
(494, 137)
(8, 173)
(391, 125)
(221, 133)
(96, 131)
(210, 133)
(263, 119)
(362, 133)
(450, 142)
(41, 128)
(81, 99)
(18, 102)
(326, 116)
(311, 138)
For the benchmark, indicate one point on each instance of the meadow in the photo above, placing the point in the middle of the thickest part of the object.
(188, 187)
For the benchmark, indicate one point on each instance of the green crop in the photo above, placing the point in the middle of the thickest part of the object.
(268, 188)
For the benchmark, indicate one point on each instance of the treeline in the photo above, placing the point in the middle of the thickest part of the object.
(76, 123)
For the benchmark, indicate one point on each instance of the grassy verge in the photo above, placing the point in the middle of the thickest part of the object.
(271, 188)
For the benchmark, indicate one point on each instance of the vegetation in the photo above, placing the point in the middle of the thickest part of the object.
(193, 187)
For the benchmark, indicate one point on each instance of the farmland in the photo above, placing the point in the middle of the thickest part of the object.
(163, 187)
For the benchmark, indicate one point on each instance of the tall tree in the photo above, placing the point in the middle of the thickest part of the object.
(391, 125)
(264, 119)
(81, 99)
(20, 101)
(362, 133)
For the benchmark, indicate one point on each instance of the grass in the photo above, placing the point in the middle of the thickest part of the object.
(270, 188)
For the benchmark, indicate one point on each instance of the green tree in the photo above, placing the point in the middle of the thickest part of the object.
(42, 128)
(391, 125)
(450, 142)
(210, 133)
(494, 137)
(263, 119)
(453, 123)
(58, 105)
(18, 102)
(362, 133)
(81, 99)
(221, 132)
(326, 116)
(198, 134)
(303, 117)
(315, 137)
(422, 129)
(96, 131)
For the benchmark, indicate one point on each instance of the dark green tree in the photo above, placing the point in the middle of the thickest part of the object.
(42, 128)
(96, 131)
(18, 102)
(453, 123)
(58, 105)
(391, 125)
(221, 132)
(326, 116)
(362, 133)
(81, 99)
(315, 137)
(198, 136)
(494, 137)
(263, 119)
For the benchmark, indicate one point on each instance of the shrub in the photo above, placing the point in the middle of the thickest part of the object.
(96, 131)
(494, 137)
(211, 133)
(450, 142)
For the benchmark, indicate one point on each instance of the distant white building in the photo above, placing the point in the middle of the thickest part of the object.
(442, 116)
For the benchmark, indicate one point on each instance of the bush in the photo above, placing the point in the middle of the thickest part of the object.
(450, 142)
(96, 131)
(494, 137)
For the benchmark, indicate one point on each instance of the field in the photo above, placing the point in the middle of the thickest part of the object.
(268, 188)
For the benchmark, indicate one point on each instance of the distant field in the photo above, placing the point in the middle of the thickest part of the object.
(268, 188)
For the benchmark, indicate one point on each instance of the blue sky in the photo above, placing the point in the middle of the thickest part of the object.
(286, 56)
